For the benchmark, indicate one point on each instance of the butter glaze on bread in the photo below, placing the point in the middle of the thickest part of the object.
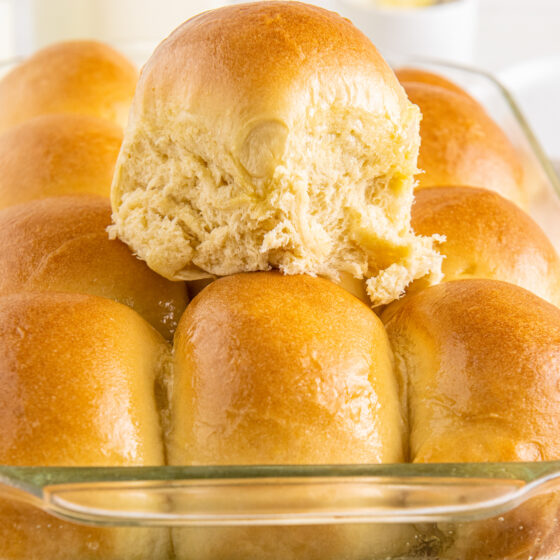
(68, 353)
(57, 155)
(61, 244)
(272, 135)
(462, 145)
(488, 236)
(77, 374)
(479, 360)
(273, 369)
(78, 77)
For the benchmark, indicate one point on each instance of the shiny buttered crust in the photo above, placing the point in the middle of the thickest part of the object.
(478, 368)
(77, 376)
(61, 244)
(273, 369)
(79, 77)
(272, 135)
(488, 237)
(462, 145)
(57, 155)
(478, 362)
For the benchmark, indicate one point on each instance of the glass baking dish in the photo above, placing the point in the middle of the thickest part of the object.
(437, 511)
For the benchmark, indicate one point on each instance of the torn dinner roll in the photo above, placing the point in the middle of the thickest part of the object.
(272, 135)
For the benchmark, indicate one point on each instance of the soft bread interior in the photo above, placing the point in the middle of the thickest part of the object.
(308, 170)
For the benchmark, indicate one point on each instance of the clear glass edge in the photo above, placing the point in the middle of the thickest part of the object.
(278, 494)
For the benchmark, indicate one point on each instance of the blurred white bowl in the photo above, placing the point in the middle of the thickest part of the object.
(443, 31)
(535, 84)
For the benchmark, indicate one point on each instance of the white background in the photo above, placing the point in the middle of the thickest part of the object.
(513, 31)
(509, 31)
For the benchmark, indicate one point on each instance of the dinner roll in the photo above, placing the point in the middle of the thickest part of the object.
(56, 155)
(80, 77)
(272, 135)
(478, 367)
(274, 369)
(415, 75)
(61, 244)
(286, 542)
(488, 237)
(77, 374)
(462, 145)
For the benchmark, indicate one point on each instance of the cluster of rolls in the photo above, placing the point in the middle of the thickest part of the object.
(261, 137)
(84, 325)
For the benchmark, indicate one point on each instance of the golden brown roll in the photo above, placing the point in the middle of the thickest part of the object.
(478, 368)
(488, 236)
(273, 369)
(77, 374)
(57, 155)
(282, 370)
(79, 77)
(462, 145)
(415, 75)
(61, 244)
(272, 135)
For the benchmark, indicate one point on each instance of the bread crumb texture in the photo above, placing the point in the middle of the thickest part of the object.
(268, 136)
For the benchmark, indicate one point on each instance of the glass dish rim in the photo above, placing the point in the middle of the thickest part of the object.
(295, 495)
